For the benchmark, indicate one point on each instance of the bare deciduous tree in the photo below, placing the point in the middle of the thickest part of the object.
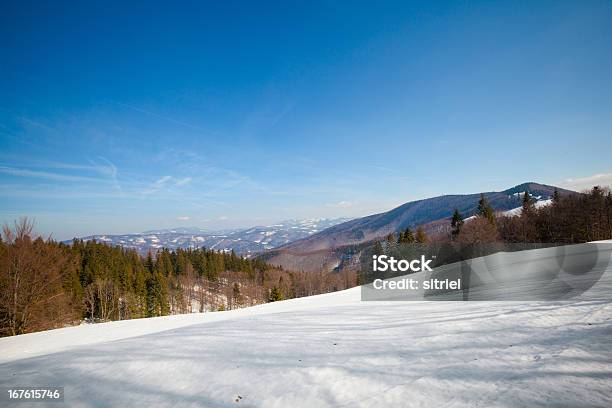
(107, 297)
(31, 293)
(89, 299)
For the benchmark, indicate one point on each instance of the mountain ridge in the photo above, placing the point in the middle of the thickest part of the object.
(244, 241)
(326, 249)
(419, 212)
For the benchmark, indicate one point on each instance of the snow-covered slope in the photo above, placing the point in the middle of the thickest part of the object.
(519, 210)
(334, 350)
(515, 212)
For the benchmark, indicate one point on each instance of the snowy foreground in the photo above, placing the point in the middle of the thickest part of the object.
(333, 350)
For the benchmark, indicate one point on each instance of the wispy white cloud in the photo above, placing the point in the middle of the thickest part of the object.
(183, 181)
(588, 182)
(163, 180)
(111, 170)
(341, 204)
(165, 118)
(183, 218)
(20, 172)
(68, 172)
(29, 122)
(215, 177)
(165, 183)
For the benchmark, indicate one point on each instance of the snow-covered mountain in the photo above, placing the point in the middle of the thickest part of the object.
(326, 249)
(243, 241)
(519, 210)
(335, 350)
(417, 213)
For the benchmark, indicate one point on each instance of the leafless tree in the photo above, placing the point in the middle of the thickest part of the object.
(89, 299)
(188, 281)
(478, 231)
(30, 281)
(106, 293)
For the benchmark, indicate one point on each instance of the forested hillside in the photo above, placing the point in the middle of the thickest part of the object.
(565, 219)
(45, 284)
(568, 219)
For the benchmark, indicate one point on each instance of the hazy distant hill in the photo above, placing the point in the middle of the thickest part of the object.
(243, 241)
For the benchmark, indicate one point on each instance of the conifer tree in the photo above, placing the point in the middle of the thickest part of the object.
(140, 292)
(528, 204)
(149, 262)
(456, 224)
(157, 293)
(485, 210)
(275, 295)
(527, 219)
(406, 237)
(556, 196)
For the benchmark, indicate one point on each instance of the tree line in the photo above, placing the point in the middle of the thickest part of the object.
(47, 284)
(568, 219)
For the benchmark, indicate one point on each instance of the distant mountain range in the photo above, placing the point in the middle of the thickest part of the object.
(324, 250)
(246, 241)
(322, 243)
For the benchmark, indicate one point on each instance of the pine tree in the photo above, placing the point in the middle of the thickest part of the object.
(140, 291)
(528, 228)
(556, 196)
(157, 294)
(485, 210)
(406, 237)
(275, 295)
(456, 224)
(149, 262)
(528, 205)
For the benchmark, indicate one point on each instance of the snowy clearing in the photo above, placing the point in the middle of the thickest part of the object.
(333, 350)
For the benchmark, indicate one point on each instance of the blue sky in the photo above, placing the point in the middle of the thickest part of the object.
(118, 119)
